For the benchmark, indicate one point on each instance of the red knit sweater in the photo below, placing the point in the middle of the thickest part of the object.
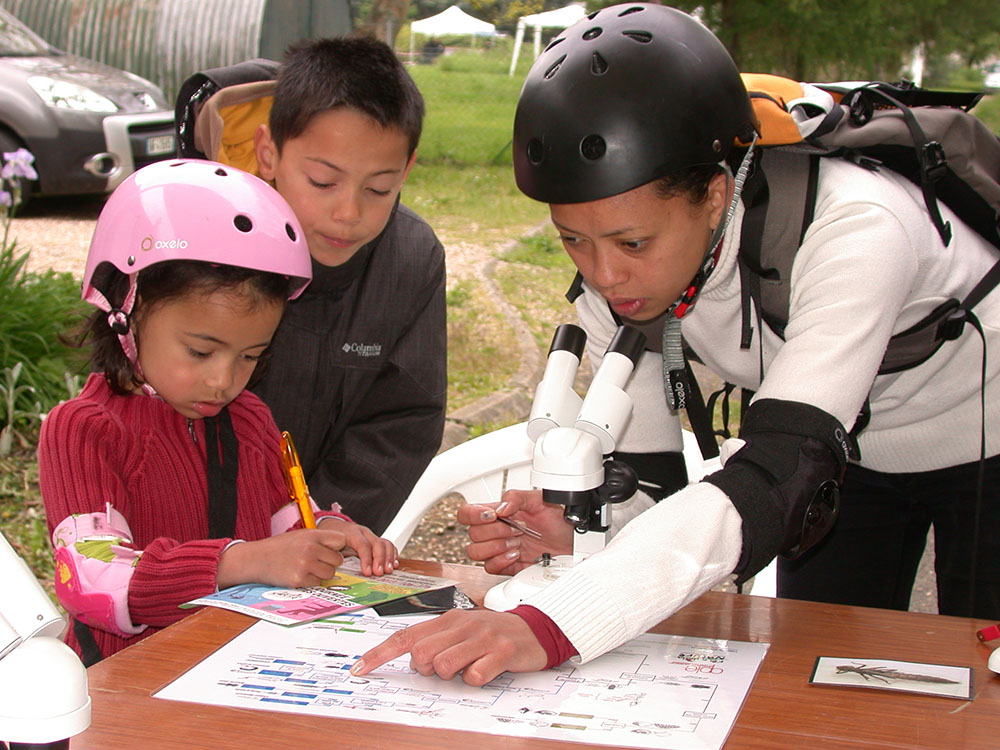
(148, 461)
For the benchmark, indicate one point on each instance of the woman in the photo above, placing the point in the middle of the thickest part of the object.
(626, 126)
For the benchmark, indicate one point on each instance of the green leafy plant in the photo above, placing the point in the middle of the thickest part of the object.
(35, 310)
(10, 395)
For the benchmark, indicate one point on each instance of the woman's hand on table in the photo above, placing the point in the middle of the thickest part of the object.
(478, 644)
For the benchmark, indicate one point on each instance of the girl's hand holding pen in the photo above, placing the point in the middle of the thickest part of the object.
(377, 555)
(303, 557)
(511, 535)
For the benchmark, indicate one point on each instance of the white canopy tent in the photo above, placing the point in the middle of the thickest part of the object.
(454, 21)
(559, 18)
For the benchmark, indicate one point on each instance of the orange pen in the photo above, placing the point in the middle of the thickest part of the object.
(295, 480)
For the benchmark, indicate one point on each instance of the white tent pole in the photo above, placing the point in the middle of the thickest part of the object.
(538, 41)
(518, 38)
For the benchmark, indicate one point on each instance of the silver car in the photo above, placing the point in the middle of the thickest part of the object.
(89, 125)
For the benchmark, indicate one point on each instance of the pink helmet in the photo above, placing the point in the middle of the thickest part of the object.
(189, 209)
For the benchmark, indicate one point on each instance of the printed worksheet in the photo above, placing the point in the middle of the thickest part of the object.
(348, 590)
(658, 691)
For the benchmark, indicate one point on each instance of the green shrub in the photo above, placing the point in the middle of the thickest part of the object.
(35, 309)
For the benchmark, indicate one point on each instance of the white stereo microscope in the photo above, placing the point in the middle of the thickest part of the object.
(572, 436)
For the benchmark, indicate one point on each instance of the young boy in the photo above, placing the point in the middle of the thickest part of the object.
(358, 370)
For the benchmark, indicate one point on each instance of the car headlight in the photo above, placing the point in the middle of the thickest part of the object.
(66, 95)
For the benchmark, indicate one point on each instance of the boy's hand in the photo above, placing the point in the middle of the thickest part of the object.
(506, 550)
(377, 555)
(304, 557)
(479, 643)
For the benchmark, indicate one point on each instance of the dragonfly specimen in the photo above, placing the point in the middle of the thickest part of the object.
(888, 674)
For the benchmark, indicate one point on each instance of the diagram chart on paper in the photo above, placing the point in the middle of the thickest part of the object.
(657, 691)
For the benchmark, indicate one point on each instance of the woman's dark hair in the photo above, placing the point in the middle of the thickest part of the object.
(160, 283)
(691, 183)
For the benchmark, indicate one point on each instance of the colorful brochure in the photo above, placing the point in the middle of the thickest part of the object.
(347, 591)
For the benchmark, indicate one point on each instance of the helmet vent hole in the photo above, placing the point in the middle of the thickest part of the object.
(243, 223)
(554, 42)
(554, 68)
(643, 37)
(593, 147)
(535, 151)
(221, 172)
(290, 231)
(630, 11)
(593, 33)
(598, 65)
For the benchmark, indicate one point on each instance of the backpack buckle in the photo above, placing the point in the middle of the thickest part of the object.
(951, 327)
(860, 106)
(932, 160)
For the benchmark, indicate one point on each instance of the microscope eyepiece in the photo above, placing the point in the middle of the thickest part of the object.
(569, 338)
(629, 342)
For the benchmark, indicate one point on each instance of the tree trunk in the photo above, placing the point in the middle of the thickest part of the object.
(386, 19)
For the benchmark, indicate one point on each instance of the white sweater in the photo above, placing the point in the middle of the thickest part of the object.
(871, 265)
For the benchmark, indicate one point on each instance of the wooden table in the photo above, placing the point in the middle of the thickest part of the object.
(782, 709)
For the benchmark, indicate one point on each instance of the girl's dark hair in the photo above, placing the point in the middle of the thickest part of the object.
(160, 283)
(692, 183)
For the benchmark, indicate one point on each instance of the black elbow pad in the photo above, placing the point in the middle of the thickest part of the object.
(785, 482)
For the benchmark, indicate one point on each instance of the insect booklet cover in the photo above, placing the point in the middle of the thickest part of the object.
(908, 676)
(347, 591)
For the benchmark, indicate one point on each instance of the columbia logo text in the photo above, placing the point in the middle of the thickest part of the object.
(362, 350)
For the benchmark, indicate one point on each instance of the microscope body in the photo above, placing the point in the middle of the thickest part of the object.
(572, 436)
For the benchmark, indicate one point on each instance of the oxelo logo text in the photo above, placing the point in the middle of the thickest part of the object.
(148, 243)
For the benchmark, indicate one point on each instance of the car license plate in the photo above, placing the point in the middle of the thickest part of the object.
(160, 144)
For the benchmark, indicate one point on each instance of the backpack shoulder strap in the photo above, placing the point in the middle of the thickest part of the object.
(769, 239)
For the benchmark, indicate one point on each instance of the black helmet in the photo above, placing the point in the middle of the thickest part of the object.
(627, 95)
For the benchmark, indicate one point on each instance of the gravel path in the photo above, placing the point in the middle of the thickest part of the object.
(57, 232)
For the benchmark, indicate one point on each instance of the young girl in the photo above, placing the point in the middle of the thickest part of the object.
(162, 480)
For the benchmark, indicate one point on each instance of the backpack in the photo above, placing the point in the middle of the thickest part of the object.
(218, 110)
(927, 136)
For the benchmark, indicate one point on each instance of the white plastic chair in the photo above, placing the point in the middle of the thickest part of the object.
(482, 469)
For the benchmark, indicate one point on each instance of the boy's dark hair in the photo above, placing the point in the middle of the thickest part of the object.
(160, 283)
(357, 72)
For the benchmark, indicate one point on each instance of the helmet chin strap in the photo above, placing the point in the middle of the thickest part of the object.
(120, 321)
(675, 379)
